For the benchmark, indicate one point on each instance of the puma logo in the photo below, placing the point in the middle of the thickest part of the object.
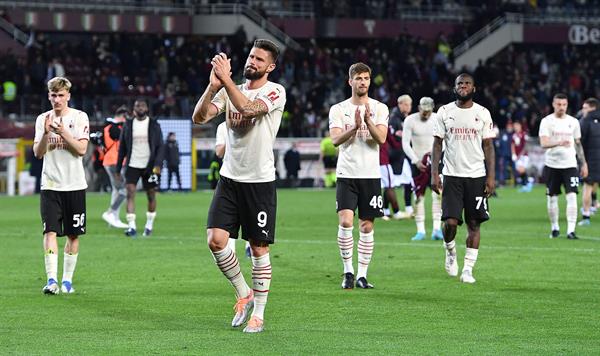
(265, 232)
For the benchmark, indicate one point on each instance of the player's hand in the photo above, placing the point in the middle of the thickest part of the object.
(584, 170)
(420, 166)
(156, 170)
(47, 124)
(490, 186)
(357, 119)
(367, 114)
(215, 82)
(57, 128)
(436, 183)
(565, 143)
(514, 158)
(221, 65)
(398, 133)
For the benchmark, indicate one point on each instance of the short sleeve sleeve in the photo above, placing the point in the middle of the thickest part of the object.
(382, 116)
(488, 125)
(274, 97)
(576, 130)
(221, 134)
(544, 129)
(39, 128)
(83, 127)
(220, 100)
(439, 129)
(335, 117)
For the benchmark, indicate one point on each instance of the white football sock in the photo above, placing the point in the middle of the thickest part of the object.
(150, 219)
(451, 246)
(470, 259)
(261, 281)
(51, 262)
(231, 244)
(346, 245)
(69, 263)
(228, 263)
(365, 252)
(436, 211)
(131, 220)
(420, 214)
(552, 204)
(571, 212)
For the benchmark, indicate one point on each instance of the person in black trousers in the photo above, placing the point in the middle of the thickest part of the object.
(172, 159)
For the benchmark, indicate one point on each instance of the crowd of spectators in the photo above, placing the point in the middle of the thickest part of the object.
(516, 84)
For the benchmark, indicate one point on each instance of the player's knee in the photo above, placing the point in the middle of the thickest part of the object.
(473, 226)
(451, 223)
(216, 241)
(366, 226)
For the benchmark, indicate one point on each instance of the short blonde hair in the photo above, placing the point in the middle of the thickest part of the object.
(403, 98)
(358, 68)
(59, 83)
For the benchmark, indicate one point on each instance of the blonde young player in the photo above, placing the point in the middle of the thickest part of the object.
(560, 135)
(245, 195)
(467, 129)
(61, 138)
(358, 125)
(417, 140)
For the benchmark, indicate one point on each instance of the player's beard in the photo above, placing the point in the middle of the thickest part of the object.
(140, 114)
(466, 97)
(362, 91)
(253, 74)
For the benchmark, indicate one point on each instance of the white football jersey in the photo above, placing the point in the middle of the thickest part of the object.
(63, 170)
(417, 136)
(463, 131)
(221, 134)
(565, 128)
(359, 156)
(249, 143)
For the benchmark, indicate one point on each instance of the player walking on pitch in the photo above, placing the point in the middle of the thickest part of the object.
(61, 138)
(245, 195)
(467, 129)
(560, 135)
(358, 125)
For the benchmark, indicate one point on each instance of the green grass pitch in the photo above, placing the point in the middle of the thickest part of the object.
(164, 294)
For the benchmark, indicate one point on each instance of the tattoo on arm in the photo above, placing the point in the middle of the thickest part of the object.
(254, 108)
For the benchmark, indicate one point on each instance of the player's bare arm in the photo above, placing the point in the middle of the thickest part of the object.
(75, 146)
(436, 154)
(205, 110)
(378, 132)
(490, 166)
(581, 156)
(339, 136)
(547, 142)
(40, 147)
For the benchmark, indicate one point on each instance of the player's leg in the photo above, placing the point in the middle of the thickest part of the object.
(346, 202)
(261, 282)
(587, 204)
(419, 218)
(436, 216)
(132, 175)
(476, 212)
(571, 183)
(452, 207)
(553, 183)
(223, 223)
(74, 226)
(473, 237)
(69, 263)
(51, 213)
(365, 248)
(370, 205)
(151, 213)
(178, 177)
